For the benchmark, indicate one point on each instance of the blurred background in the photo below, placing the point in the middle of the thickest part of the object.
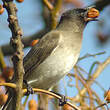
(36, 19)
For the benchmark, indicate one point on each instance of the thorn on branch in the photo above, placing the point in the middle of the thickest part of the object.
(19, 32)
(13, 42)
(12, 19)
(15, 57)
(14, 5)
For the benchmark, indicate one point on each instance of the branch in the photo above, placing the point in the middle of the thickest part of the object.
(101, 4)
(8, 50)
(18, 48)
(12, 85)
(2, 62)
(55, 13)
(97, 72)
(52, 94)
(48, 4)
(91, 55)
(104, 104)
(85, 85)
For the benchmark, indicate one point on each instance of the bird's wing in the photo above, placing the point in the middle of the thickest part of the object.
(41, 51)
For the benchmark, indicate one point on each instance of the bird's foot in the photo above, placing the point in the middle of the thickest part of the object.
(63, 99)
(29, 88)
(29, 91)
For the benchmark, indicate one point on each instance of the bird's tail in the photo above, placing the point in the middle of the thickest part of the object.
(10, 101)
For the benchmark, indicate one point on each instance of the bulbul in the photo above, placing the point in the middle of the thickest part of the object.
(57, 51)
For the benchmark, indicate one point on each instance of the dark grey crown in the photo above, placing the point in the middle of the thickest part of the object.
(79, 12)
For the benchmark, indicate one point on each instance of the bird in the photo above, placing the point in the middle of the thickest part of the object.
(57, 51)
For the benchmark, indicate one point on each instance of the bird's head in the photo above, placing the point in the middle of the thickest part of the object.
(81, 14)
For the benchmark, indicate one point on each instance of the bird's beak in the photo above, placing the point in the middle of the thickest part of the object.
(91, 14)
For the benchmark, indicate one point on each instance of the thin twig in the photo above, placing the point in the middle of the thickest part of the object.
(101, 4)
(55, 13)
(91, 55)
(79, 68)
(87, 87)
(97, 72)
(82, 70)
(2, 61)
(48, 4)
(98, 100)
(101, 87)
(12, 85)
(91, 68)
(25, 101)
(104, 104)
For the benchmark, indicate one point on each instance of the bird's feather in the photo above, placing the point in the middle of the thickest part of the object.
(40, 51)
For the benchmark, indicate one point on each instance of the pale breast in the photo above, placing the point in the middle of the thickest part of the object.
(56, 66)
